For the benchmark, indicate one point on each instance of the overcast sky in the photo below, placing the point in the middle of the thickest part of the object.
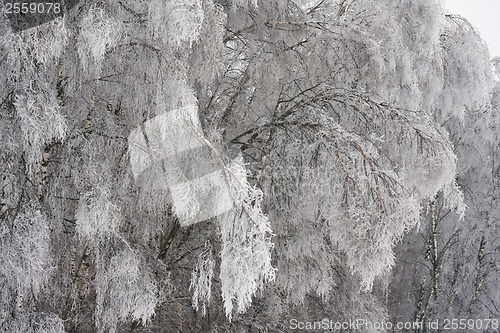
(484, 15)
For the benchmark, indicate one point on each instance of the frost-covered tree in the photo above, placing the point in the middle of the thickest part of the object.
(200, 165)
(449, 268)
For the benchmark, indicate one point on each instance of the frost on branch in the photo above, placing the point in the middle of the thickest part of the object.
(98, 33)
(97, 217)
(31, 57)
(384, 204)
(177, 21)
(36, 323)
(251, 4)
(201, 280)
(340, 181)
(368, 237)
(469, 79)
(25, 259)
(125, 291)
(246, 243)
(41, 45)
(207, 54)
(40, 120)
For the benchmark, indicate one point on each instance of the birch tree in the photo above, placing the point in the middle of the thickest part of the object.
(208, 166)
(454, 267)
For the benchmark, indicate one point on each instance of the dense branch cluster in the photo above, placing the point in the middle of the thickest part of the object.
(240, 158)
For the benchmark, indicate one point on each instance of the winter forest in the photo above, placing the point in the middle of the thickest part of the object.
(247, 166)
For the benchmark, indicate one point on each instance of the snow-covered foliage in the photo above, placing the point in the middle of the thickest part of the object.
(26, 265)
(26, 253)
(40, 120)
(238, 4)
(496, 69)
(365, 183)
(175, 22)
(207, 53)
(38, 323)
(99, 32)
(97, 217)
(468, 75)
(32, 56)
(125, 290)
(38, 46)
(246, 243)
(201, 280)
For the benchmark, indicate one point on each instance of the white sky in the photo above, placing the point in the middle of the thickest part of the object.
(484, 15)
